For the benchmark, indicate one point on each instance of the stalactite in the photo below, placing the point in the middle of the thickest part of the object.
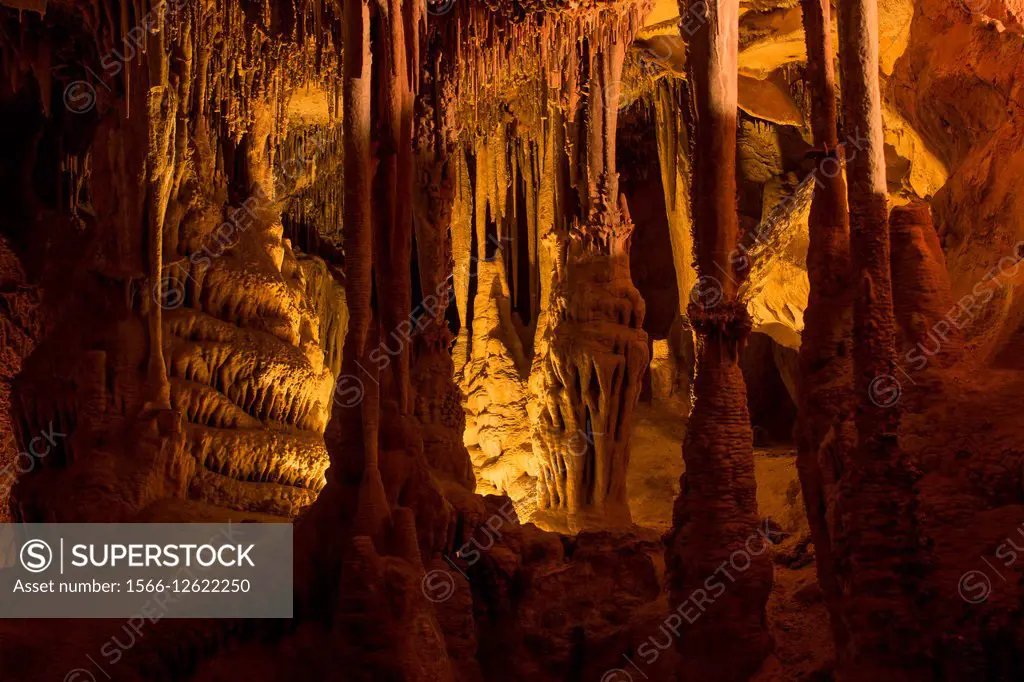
(673, 155)
(162, 107)
(462, 238)
(189, 284)
(548, 216)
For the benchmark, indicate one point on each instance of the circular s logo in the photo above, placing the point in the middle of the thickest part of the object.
(80, 97)
(36, 556)
(974, 587)
(348, 391)
(169, 293)
(885, 390)
(438, 586)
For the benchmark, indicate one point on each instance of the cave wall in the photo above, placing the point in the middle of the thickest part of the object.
(177, 292)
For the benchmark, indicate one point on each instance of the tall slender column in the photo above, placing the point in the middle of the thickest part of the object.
(824, 433)
(878, 534)
(715, 548)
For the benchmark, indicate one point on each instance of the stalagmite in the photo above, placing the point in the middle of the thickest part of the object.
(716, 518)
(362, 271)
(930, 322)
(824, 432)
(587, 383)
(876, 497)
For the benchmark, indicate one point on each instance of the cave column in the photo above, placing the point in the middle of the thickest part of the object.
(824, 431)
(715, 522)
(587, 382)
(393, 192)
(876, 491)
(350, 436)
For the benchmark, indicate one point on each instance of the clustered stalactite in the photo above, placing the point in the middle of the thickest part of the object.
(238, 258)
(522, 175)
(593, 351)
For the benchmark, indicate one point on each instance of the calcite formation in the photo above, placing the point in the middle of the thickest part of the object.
(213, 353)
(715, 516)
(930, 323)
(448, 285)
(594, 350)
(825, 429)
(589, 384)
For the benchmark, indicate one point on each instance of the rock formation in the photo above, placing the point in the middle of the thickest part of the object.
(595, 347)
(825, 427)
(922, 298)
(715, 516)
(447, 285)
(876, 475)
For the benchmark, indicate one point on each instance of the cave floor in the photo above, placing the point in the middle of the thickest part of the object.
(796, 610)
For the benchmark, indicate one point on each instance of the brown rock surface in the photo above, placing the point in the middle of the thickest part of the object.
(405, 275)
